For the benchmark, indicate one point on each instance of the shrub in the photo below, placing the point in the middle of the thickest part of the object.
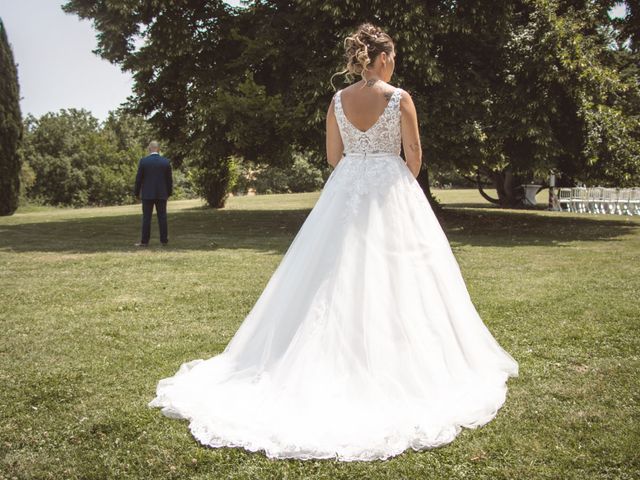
(301, 176)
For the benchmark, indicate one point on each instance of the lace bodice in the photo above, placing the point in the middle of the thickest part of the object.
(382, 137)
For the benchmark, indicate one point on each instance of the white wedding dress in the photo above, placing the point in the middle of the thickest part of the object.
(364, 342)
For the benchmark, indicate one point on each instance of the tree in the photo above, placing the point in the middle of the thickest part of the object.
(555, 104)
(625, 34)
(218, 81)
(10, 128)
(503, 89)
(628, 28)
(192, 82)
(77, 161)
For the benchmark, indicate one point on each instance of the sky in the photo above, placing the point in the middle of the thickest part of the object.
(56, 64)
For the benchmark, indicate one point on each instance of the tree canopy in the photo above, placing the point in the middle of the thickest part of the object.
(505, 90)
(78, 161)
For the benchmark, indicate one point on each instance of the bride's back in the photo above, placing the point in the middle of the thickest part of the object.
(363, 105)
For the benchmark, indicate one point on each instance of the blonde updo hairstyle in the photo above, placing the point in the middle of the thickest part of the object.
(362, 48)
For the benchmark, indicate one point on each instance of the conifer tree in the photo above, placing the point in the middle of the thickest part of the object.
(10, 128)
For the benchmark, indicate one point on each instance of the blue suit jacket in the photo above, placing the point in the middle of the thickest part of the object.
(154, 180)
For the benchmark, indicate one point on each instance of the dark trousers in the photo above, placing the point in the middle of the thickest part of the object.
(161, 212)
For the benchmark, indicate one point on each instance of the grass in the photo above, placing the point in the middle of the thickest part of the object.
(89, 325)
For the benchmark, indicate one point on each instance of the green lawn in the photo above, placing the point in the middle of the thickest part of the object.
(90, 324)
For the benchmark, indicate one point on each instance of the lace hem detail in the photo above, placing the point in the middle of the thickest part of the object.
(391, 442)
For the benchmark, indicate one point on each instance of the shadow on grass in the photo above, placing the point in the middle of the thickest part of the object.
(273, 230)
(193, 229)
(497, 227)
(485, 205)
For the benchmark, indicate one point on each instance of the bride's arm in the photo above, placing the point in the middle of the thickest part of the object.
(334, 140)
(410, 134)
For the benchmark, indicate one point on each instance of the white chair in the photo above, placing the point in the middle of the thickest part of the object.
(579, 199)
(622, 204)
(564, 199)
(634, 201)
(594, 200)
(598, 200)
(609, 200)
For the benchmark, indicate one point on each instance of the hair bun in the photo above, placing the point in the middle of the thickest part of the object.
(362, 47)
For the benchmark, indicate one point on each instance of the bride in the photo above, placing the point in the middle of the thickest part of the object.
(364, 342)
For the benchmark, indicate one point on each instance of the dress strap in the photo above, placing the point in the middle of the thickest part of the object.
(337, 106)
(338, 99)
(396, 94)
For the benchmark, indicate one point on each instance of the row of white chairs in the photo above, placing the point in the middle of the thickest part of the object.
(598, 200)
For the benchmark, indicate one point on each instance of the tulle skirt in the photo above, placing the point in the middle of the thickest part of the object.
(364, 342)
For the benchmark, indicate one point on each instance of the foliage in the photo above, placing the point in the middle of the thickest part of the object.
(305, 176)
(10, 128)
(506, 89)
(534, 77)
(301, 176)
(193, 83)
(27, 179)
(214, 180)
(76, 161)
(183, 187)
(628, 28)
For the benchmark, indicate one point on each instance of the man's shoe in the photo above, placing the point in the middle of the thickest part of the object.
(164, 244)
(140, 244)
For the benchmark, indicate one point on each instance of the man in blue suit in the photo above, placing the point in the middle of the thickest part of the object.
(154, 185)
